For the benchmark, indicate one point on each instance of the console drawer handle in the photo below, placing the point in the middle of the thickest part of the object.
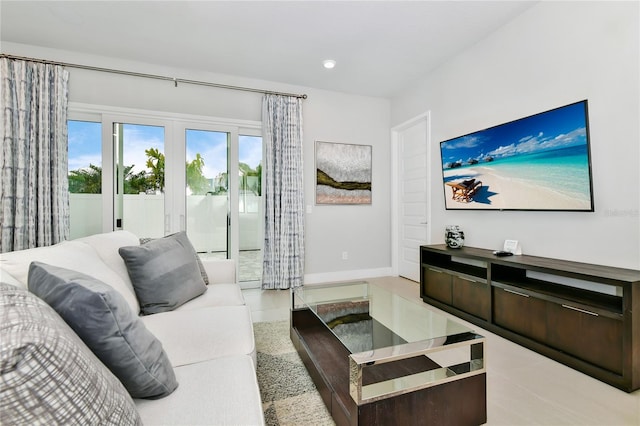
(584, 311)
(515, 292)
(468, 279)
(435, 270)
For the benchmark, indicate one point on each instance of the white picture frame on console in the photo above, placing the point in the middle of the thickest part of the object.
(512, 246)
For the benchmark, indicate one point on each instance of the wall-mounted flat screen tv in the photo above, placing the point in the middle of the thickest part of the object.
(540, 162)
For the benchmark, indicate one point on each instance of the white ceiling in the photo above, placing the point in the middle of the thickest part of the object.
(381, 47)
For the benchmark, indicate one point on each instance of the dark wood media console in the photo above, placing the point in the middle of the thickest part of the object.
(584, 316)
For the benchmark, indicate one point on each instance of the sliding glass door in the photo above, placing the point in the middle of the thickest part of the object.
(223, 188)
(158, 175)
(250, 217)
(85, 177)
(207, 191)
(139, 197)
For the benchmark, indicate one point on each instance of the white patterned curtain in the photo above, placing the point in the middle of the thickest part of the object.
(283, 265)
(34, 196)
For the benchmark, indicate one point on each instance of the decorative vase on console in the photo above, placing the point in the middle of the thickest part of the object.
(454, 236)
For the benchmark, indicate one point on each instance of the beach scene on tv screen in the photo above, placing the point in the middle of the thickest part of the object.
(536, 163)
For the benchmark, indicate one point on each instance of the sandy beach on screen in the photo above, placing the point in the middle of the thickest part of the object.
(504, 192)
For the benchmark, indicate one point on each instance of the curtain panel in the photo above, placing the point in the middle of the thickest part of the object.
(283, 254)
(34, 196)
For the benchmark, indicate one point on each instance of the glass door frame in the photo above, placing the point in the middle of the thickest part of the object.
(233, 195)
(180, 201)
(109, 162)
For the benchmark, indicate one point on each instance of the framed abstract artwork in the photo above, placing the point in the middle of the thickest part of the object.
(343, 173)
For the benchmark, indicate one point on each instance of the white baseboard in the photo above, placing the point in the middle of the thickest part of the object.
(330, 277)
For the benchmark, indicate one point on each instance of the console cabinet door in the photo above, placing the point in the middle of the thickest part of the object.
(471, 296)
(583, 334)
(437, 285)
(520, 313)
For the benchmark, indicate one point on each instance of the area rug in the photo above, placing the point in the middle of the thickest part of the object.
(289, 396)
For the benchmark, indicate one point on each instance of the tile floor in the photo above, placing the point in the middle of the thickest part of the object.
(523, 387)
(249, 263)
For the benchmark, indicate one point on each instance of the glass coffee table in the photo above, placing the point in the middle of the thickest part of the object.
(378, 358)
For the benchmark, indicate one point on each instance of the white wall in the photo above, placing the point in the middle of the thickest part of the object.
(362, 231)
(553, 54)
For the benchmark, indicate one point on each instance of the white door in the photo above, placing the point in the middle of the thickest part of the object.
(413, 193)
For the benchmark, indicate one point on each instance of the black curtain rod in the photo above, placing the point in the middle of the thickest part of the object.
(175, 80)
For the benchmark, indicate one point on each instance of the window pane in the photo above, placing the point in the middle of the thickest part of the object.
(250, 167)
(207, 191)
(85, 178)
(140, 179)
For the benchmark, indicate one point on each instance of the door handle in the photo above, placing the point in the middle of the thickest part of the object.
(584, 311)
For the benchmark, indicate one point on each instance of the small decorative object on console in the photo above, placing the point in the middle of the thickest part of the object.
(512, 246)
(454, 236)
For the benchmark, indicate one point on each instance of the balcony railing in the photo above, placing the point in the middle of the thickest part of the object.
(143, 215)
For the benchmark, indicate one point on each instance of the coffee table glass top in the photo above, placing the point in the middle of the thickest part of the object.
(366, 317)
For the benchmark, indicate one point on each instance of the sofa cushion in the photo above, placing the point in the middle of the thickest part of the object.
(219, 271)
(74, 255)
(198, 335)
(203, 272)
(101, 318)
(164, 273)
(7, 278)
(106, 245)
(221, 392)
(48, 375)
(216, 295)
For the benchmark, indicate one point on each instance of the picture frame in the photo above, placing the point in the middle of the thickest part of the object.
(512, 246)
(343, 173)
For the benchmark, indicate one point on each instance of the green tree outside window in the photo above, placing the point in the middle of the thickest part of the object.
(89, 180)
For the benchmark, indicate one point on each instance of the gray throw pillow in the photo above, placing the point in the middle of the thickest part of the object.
(164, 273)
(203, 272)
(104, 321)
(48, 376)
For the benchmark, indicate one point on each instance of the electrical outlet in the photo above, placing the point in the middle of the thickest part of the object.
(345, 255)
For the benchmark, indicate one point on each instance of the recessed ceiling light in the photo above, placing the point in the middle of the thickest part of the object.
(329, 63)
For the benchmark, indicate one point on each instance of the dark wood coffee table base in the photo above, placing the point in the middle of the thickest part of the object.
(459, 402)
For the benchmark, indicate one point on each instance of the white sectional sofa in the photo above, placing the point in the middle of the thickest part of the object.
(208, 340)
